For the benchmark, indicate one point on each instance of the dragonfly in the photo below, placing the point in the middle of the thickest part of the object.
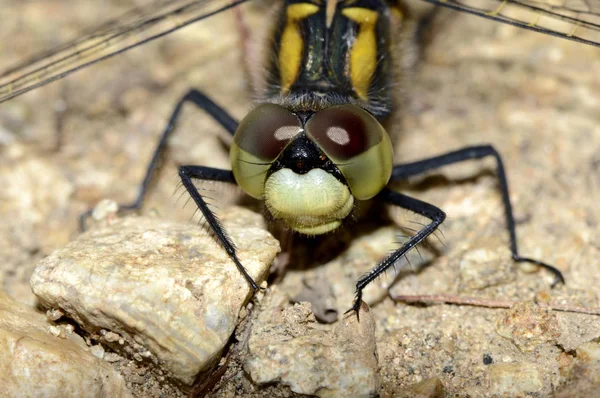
(572, 20)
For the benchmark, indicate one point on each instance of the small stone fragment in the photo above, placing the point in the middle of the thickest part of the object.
(61, 331)
(486, 264)
(34, 363)
(160, 289)
(528, 325)
(317, 291)
(97, 351)
(111, 337)
(54, 314)
(54, 330)
(514, 380)
(429, 388)
(112, 357)
(105, 210)
(577, 329)
(487, 359)
(288, 346)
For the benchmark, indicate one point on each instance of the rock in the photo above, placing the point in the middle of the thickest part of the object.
(580, 376)
(575, 329)
(105, 209)
(514, 380)
(32, 209)
(97, 351)
(162, 291)
(35, 363)
(288, 346)
(485, 263)
(317, 290)
(528, 325)
(429, 388)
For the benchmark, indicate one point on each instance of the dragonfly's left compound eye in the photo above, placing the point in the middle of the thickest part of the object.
(358, 145)
(259, 139)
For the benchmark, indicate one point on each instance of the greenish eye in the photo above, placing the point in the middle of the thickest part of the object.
(259, 139)
(358, 145)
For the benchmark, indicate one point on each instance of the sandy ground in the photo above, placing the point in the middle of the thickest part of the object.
(535, 98)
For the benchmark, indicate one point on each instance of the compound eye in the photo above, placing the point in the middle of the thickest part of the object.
(259, 139)
(357, 143)
(343, 131)
(266, 131)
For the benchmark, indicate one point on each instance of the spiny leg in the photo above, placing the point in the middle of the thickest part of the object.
(187, 173)
(201, 101)
(433, 213)
(403, 171)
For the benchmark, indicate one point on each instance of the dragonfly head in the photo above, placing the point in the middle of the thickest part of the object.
(309, 169)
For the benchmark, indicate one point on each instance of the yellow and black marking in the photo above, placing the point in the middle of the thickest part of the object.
(290, 53)
(363, 55)
(331, 52)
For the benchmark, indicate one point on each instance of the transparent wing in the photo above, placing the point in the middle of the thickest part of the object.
(111, 38)
(577, 20)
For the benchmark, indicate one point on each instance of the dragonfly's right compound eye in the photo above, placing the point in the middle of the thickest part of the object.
(258, 141)
(358, 145)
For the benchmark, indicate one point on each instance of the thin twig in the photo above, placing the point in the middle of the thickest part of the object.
(488, 303)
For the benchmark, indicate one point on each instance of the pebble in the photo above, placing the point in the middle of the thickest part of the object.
(35, 363)
(428, 388)
(528, 326)
(580, 376)
(288, 346)
(486, 263)
(514, 380)
(165, 286)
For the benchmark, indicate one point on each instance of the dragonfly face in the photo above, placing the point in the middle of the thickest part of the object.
(309, 168)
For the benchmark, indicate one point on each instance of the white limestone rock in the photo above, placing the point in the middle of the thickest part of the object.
(35, 363)
(288, 346)
(515, 380)
(168, 289)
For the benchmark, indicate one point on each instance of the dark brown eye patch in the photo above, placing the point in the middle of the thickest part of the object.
(343, 131)
(266, 131)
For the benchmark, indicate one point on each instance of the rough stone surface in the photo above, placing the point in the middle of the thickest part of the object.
(515, 380)
(288, 346)
(29, 200)
(35, 363)
(430, 388)
(580, 375)
(164, 287)
(528, 326)
(485, 264)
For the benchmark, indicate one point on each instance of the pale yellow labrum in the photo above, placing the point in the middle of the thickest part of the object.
(313, 203)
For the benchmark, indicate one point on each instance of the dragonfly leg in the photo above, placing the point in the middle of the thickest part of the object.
(402, 171)
(201, 101)
(189, 173)
(436, 215)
